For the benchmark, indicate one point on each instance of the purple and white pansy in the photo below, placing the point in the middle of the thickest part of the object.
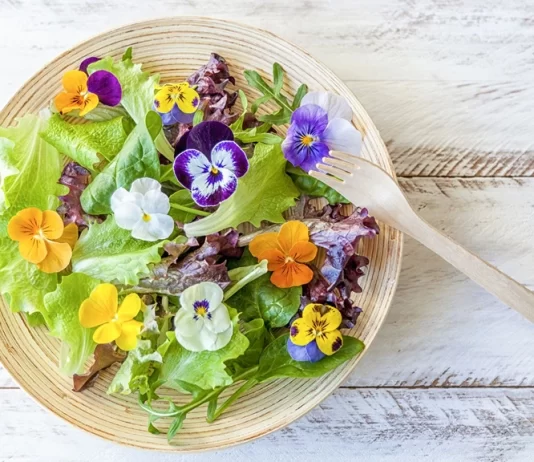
(211, 163)
(322, 123)
(203, 323)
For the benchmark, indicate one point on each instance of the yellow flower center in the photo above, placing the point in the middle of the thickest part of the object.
(201, 311)
(289, 260)
(307, 140)
(146, 217)
(214, 170)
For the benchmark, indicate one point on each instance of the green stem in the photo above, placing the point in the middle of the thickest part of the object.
(233, 398)
(190, 210)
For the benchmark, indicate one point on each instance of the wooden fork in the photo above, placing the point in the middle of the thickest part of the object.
(364, 183)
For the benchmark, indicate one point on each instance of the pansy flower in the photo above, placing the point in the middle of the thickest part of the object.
(286, 252)
(83, 92)
(43, 239)
(211, 164)
(113, 323)
(315, 334)
(203, 322)
(176, 103)
(143, 210)
(322, 123)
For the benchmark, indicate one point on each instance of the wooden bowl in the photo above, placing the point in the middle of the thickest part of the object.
(174, 48)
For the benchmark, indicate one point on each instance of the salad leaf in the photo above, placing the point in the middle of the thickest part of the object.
(204, 369)
(111, 254)
(183, 207)
(275, 361)
(243, 275)
(138, 158)
(137, 92)
(134, 372)
(86, 144)
(264, 193)
(62, 310)
(23, 155)
(104, 357)
(313, 187)
(255, 332)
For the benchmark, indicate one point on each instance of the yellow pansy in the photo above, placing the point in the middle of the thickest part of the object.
(76, 94)
(319, 323)
(115, 324)
(180, 94)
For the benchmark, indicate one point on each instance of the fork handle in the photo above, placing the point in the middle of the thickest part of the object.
(505, 288)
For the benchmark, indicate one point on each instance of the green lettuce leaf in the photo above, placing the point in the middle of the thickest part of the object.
(86, 144)
(30, 166)
(135, 370)
(313, 187)
(137, 92)
(205, 369)
(243, 275)
(264, 193)
(138, 158)
(275, 361)
(62, 310)
(111, 254)
(255, 332)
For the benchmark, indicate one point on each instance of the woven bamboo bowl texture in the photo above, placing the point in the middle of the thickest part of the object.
(174, 48)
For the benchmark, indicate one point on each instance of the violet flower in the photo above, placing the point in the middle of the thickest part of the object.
(211, 164)
(322, 123)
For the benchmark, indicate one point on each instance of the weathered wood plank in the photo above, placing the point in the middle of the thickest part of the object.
(376, 424)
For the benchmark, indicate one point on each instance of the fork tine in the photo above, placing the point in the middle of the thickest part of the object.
(340, 164)
(326, 179)
(344, 156)
(334, 171)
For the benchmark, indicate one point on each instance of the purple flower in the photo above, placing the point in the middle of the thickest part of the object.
(307, 353)
(86, 62)
(211, 164)
(322, 123)
(106, 86)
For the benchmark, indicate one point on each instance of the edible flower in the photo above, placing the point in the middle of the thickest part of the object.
(315, 334)
(43, 239)
(211, 164)
(86, 62)
(203, 323)
(322, 123)
(286, 253)
(83, 93)
(118, 325)
(176, 103)
(143, 210)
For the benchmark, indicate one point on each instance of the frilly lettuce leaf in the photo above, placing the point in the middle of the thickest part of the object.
(264, 193)
(111, 254)
(137, 92)
(205, 369)
(86, 144)
(138, 158)
(62, 311)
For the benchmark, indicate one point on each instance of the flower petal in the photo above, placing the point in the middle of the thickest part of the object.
(106, 333)
(263, 242)
(86, 62)
(190, 164)
(202, 341)
(70, 235)
(228, 155)
(330, 342)
(100, 307)
(308, 353)
(67, 102)
(155, 202)
(188, 99)
(292, 275)
(275, 258)
(185, 323)
(210, 189)
(89, 103)
(291, 233)
(130, 307)
(153, 227)
(222, 339)
(25, 224)
(128, 338)
(52, 225)
(334, 105)
(33, 250)
(301, 333)
(75, 82)
(164, 100)
(303, 252)
(175, 116)
(218, 320)
(312, 313)
(144, 185)
(106, 86)
(341, 135)
(57, 257)
(128, 215)
(330, 319)
(120, 196)
(208, 291)
(204, 136)
(314, 156)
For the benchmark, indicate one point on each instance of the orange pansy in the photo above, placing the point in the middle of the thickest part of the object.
(43, 239)
(286, 252)
(76, 94)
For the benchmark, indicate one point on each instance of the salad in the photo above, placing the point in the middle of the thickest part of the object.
(171, 230)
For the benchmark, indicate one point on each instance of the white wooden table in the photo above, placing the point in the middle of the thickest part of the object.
(449, 83)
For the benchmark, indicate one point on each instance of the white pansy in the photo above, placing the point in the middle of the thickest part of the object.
(203, 323)
(143, 210)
